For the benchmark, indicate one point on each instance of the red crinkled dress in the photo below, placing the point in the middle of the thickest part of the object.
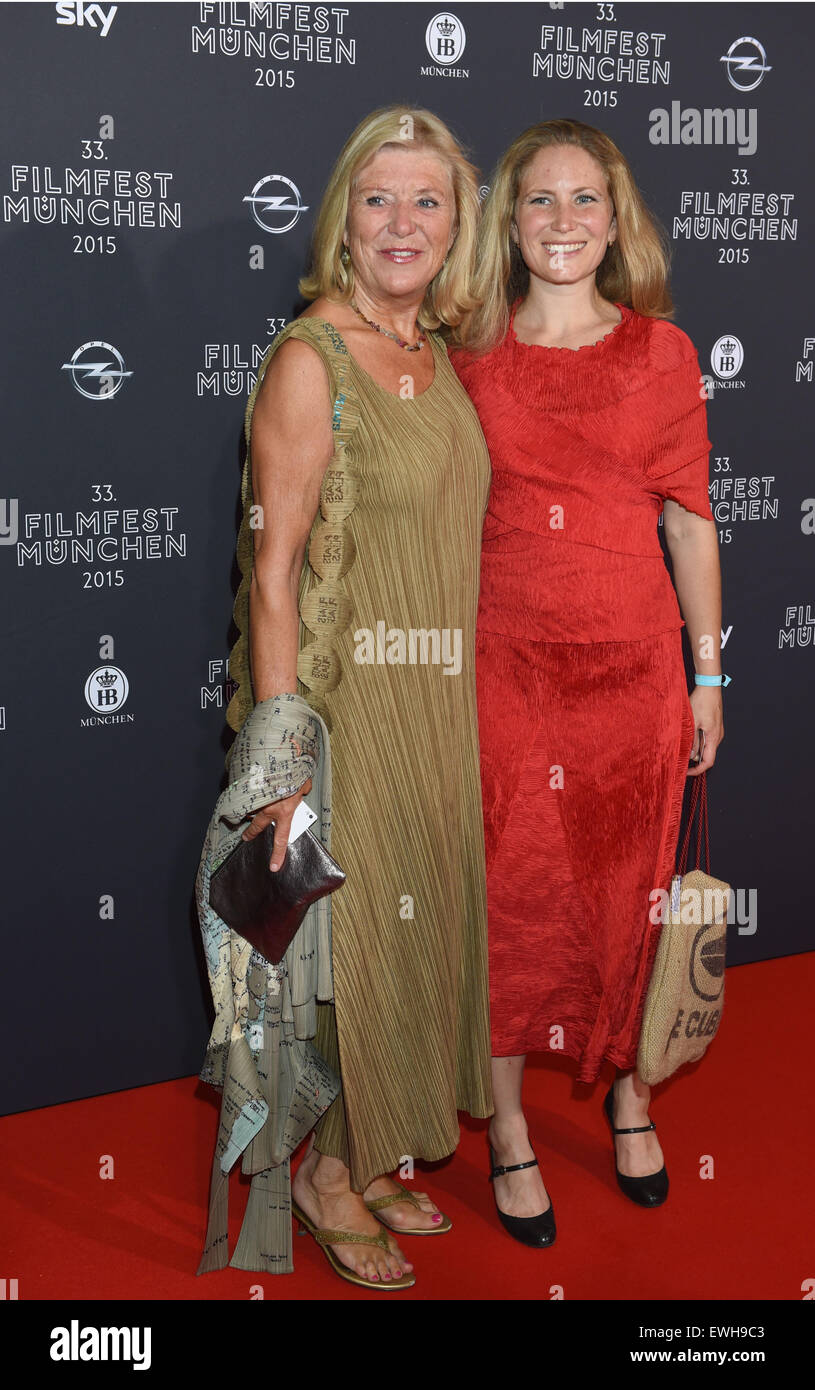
(585, 724)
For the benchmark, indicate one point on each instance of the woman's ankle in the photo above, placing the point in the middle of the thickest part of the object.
(509, 1129)
(328, 1175)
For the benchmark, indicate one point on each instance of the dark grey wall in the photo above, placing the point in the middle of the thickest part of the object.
(104, 987)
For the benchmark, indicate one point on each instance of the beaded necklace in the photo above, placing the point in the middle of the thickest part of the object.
(409, 347)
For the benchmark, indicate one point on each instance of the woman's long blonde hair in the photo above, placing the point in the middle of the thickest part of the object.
(449, 295)
(634, 270)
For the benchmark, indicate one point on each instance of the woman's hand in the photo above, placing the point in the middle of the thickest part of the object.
(281, 812)
(706, 703)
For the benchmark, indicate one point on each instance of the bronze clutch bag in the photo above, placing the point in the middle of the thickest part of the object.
(267, 908)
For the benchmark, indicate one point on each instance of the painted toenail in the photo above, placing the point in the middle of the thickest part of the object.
(437, 1216)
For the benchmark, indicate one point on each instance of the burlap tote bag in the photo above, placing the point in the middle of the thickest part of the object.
(683, 1006)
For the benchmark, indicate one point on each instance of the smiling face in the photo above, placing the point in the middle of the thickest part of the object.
(564, 218)
(401, 223)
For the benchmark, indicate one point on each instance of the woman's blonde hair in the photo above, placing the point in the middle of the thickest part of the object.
(634, 270)
(449, 295)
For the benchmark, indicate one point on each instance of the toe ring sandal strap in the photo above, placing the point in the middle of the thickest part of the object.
(499, 1171)
(347, 1237)
(377, 1203)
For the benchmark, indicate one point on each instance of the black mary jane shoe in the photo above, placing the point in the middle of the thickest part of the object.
(650, 1190)
(537, 1231)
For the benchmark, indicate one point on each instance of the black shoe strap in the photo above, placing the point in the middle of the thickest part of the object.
(512, 1168)
(639, 1129)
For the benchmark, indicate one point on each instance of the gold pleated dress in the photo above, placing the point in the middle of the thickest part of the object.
(390, 578)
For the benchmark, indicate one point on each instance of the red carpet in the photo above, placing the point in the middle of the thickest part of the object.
(745, 1234)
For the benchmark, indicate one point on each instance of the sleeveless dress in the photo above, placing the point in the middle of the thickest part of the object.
(388, 598)
(586, 726)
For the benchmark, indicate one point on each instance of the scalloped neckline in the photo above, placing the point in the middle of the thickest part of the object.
(625, 312)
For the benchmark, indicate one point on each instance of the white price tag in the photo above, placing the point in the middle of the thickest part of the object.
(301, 820)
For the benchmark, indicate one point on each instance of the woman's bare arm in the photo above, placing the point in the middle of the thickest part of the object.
(292, 444)
(694, 549)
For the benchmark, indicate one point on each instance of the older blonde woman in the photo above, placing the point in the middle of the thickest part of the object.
(594, 412)
(370, 473)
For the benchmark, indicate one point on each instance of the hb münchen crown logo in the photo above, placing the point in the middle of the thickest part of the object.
(106, 689)
(445, 38)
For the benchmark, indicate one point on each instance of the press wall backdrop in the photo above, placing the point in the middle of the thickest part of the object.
(162, 166)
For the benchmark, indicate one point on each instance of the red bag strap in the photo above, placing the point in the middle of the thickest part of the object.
(698, 800)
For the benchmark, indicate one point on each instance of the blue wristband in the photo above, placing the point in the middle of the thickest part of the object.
(712, 680)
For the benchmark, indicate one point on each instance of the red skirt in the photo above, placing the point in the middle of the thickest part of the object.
(585, 752)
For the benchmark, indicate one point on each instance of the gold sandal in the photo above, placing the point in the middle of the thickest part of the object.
(377, 1203)
(326, 1238)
